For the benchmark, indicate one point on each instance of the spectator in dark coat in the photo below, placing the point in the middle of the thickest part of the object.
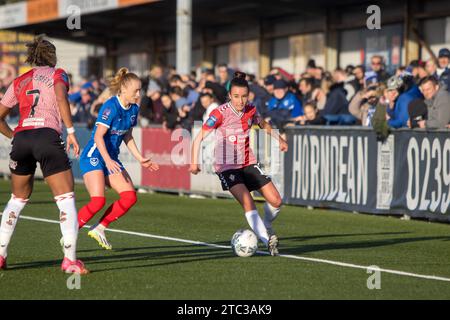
(312, 116)
(417, 111)
(336, 101)
(170, 113)
(306, 88)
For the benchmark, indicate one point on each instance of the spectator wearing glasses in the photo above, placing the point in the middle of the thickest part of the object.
(377, 65)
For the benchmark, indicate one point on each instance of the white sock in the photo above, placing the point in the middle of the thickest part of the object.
(68, 217)
(270, 214)
(9, 220)
(257, 225)
(101, 228)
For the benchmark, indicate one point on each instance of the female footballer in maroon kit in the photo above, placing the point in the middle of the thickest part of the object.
(235, 162)
(41, 94)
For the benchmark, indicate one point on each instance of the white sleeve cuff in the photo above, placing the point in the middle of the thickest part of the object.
(103, 124)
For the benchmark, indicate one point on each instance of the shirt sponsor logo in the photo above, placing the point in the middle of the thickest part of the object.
(118, 132)
(33, 122)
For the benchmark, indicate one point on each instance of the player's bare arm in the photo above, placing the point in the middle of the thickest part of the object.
(64, 110)
(131, 145)
(195, 168)
(268, 128)
(4, 127)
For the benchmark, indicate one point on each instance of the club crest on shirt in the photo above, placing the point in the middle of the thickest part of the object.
(231, 177)
(106, 114)
(13, 164)
(133, 119)
(93, 161)
(211, 121)
(232, 138)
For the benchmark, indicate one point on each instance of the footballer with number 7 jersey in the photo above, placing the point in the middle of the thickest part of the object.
(41, 94)
(99, 161)
(235, 163)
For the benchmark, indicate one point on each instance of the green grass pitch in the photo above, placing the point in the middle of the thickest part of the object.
(150, 268)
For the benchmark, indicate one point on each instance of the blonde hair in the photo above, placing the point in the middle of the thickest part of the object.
(122, 78)
(41, 52)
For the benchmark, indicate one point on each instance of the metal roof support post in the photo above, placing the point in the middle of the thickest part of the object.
(184, 36)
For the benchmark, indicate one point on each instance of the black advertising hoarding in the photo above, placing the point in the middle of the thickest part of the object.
(347, 168)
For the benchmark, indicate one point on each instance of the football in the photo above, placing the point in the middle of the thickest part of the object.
(244, 243)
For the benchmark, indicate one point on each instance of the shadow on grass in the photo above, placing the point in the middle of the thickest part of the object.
(126, 258)
(182, 254)
(312, 237)
(306, 248)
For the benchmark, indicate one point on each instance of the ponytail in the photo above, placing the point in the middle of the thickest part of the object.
(122, 77)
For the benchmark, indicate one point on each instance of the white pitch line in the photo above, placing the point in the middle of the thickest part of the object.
(200, 243)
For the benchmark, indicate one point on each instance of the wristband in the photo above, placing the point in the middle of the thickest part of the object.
(70, 130)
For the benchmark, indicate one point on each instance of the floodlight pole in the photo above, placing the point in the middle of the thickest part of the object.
(184, 36)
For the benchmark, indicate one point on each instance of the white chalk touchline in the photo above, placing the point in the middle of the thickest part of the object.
(200, 243)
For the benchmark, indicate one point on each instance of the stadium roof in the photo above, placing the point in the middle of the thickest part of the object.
(119, 19)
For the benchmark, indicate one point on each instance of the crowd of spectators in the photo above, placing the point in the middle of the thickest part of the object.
(416, 95)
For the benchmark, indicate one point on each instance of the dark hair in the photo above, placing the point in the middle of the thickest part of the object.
(429, 79)
(207, 94)
(239, 80)
(222, 65)
(308, 81)
(362, 67)
(349, 68)
(208, 72)
(41, 52)
(311, 64)
(177, 90)
(175, 77)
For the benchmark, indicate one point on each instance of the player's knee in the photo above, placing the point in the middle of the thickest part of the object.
(276, 202)
(128, 199)
(97, 203)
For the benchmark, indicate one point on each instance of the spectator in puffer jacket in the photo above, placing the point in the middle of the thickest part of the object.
(408, 91)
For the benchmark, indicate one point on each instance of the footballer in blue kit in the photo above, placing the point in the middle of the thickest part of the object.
(99, 162)
(119, 120)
